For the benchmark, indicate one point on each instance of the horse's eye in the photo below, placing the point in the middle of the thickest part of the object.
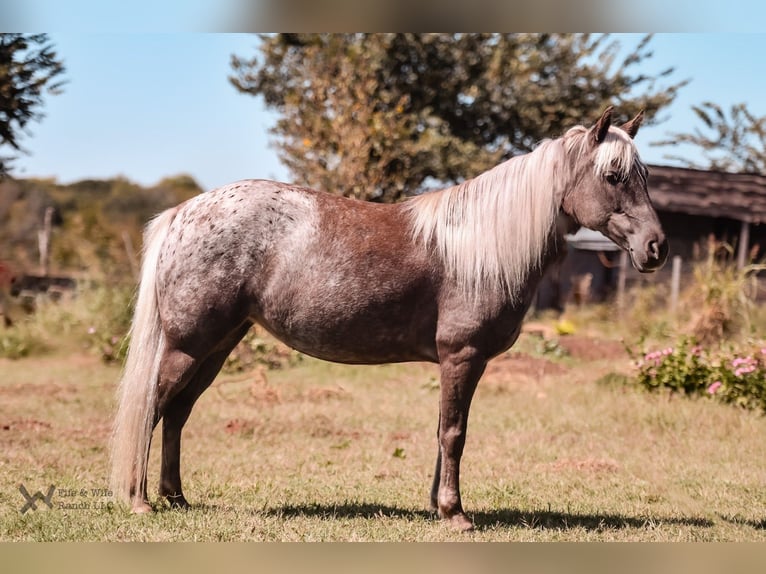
(612, 178)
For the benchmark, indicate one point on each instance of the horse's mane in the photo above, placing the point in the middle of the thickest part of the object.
(492, 230)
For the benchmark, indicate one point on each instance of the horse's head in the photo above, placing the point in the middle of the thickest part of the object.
(609, 191)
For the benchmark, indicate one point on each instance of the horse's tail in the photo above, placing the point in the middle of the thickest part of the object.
(137, 392)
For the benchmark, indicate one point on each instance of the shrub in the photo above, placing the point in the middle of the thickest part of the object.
(17, 342)
(105, 317)
(96, 318)
(721, 299)
(259, 348)
(736, 376)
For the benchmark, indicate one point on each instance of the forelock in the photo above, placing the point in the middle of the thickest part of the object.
(617, 153)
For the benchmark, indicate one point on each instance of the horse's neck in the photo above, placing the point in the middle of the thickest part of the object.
(556, 245)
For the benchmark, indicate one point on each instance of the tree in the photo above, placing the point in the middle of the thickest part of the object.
(29, 67)
(736, 143)
(379, 116)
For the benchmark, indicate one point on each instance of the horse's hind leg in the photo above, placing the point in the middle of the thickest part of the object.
(174, 418)
(177, 412)
(176, 370)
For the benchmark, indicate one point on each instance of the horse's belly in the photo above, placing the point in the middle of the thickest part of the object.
(360, 354)
(361, 338)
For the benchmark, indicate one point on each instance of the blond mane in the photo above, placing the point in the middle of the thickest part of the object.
(492, 230)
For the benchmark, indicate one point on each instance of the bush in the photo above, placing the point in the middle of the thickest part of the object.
(107, 314)
(721, 299)
(259, 348)
(735, 376)
(96, 318)
(16, 343)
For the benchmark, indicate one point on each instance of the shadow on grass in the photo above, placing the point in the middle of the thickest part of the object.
(348, 510)
(756, 524)
(503, 518)
(554, 520)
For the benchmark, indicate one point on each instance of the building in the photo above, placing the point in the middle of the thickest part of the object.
(693, 205)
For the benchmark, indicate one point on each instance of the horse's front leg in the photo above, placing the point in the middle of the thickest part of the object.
(437, 471)
(460, 372)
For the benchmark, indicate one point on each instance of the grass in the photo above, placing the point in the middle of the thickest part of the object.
(323, 452)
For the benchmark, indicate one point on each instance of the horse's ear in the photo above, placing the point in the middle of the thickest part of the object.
(632, 126)
(601, 128)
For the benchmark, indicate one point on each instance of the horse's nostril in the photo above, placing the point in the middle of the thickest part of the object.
(654, 249)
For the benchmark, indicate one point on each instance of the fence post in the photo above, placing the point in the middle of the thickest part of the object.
(622, 273)
(675, 283)
(44, 242)
(744, 244)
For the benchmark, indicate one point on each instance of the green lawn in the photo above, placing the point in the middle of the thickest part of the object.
(326, 452)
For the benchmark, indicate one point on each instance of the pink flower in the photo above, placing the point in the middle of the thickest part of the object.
(91, 330)
(714, 387)
(655, 357)
(744, 370)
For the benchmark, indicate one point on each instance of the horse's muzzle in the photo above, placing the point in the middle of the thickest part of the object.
(655, 253)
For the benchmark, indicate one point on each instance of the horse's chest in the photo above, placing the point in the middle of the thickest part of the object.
(491, 326)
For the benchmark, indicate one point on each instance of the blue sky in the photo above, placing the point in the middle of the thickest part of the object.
(146, 106)
(150, 105)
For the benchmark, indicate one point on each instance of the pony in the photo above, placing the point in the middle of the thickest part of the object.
(446, 277)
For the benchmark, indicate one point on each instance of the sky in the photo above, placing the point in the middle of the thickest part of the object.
(147, 106)
(150, 105)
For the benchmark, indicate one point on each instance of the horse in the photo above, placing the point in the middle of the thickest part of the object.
(445, 277)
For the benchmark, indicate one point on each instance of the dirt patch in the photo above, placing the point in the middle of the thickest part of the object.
(590, 349)
(318, 426)
(518, 365)
(25, 425)
(321, 394)
(240, 427)
(515, 364)
(53, 390)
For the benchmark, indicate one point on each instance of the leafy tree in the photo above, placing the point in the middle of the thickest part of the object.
(92, 217)
(28, 68)
(735, 142)
(379, 116)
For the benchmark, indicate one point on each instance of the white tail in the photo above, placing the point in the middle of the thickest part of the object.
(137, 392)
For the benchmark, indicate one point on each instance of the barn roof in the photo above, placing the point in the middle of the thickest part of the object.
(710, 193)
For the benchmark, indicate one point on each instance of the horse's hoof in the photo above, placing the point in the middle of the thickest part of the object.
(141, 507)
(177, 501)
(461, 522)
